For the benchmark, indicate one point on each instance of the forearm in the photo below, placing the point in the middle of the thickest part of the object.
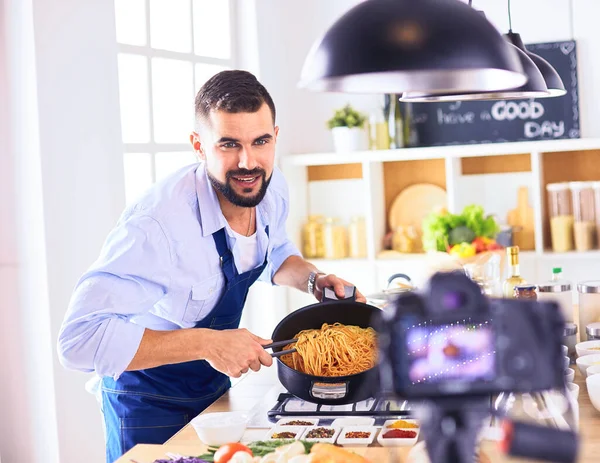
(294, 272)
(167, 347)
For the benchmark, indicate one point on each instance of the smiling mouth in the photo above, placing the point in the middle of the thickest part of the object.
(246, 182)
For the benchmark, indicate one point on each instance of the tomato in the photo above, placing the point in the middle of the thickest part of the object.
(225, 452)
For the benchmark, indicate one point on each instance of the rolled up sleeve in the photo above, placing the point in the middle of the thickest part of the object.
(130, 276)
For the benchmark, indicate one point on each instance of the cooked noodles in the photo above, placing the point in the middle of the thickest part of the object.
(333, 350)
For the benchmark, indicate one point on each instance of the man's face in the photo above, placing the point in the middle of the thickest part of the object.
(239, 151)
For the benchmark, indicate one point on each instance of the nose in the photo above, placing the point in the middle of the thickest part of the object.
(247, 159)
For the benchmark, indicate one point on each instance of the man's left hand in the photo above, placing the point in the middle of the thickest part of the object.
(337, 284)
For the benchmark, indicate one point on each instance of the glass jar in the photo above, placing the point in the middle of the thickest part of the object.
(357, 238)
(589, 304)
(561, 216)
(379, 138)
(570, 338)
(596, 188)
(593, 331)
(405, 239)
(525, 292)
(335, 239)
(584, 227)
(312, 237)
(559, 291)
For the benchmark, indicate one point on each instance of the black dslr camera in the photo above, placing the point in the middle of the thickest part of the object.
(453, 349)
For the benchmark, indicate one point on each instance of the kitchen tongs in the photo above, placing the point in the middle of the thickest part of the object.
(281, 344)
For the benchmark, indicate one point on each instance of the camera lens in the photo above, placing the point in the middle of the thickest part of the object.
(453, 300)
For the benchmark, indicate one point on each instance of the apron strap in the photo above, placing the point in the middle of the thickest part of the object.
(226, 256)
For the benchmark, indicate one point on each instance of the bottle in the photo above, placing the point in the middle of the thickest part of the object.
(395, 123)
(514, 279)
(378, 131)
(357, 238)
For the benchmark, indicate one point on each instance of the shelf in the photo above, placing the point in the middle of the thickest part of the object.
(572, 255)
(442, 152)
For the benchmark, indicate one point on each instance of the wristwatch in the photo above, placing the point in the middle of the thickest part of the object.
(312, 277)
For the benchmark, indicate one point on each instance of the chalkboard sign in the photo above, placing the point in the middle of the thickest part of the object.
(468, 122)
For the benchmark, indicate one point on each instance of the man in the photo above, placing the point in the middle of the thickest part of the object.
(157, 315)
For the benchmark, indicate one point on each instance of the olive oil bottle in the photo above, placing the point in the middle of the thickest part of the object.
(514, 278)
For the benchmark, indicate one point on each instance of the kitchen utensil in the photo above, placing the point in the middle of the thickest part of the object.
(382, 297)
(280, 343)
(328, 390)
(414, 203)
(522, 217)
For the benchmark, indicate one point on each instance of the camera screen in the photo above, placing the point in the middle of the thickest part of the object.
(459, 351)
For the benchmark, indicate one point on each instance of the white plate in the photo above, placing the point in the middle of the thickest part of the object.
(297, 430)
(356, 421)
(312, 421)
(400, 442)
(354, 442)
(329, 440)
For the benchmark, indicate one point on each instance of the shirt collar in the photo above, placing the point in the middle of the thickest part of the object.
(211, 216)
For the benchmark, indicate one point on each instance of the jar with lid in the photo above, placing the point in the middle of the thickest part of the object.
(561, 216)
(584, 227)
(525, 292)
(589, 303)
(593, 331)
(357, 238)
(570, 338)
(596, 188)
(558, 290)
(335, 239)
(312, 237)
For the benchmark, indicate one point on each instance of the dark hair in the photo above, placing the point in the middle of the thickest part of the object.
(233, 92)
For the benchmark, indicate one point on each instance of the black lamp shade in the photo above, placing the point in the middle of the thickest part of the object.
(534, 88)
(555, 85)
(396, 46)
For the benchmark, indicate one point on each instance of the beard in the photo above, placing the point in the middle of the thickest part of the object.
(226, 189)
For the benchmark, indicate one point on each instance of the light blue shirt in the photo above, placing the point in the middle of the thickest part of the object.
(159, 269)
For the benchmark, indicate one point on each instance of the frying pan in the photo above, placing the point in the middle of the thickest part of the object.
(327, 390)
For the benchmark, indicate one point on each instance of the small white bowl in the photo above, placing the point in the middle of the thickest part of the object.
(356, 442)
(296, 430)
(220, 428)
(353, 421)
(566, 362)
(587, 361)
(593, 388)
(328, 440)
(400, 442)
(285, 421)
(573, 390)
(565, 350)
(593, 370)
(569, 375)
(585, 348)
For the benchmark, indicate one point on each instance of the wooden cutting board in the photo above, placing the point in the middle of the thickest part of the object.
(414, 203)
(522, 219)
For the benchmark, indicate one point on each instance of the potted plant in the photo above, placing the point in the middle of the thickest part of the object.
(348, 129)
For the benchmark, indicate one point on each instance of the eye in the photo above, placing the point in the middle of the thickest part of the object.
(229, 145)
(261, 142)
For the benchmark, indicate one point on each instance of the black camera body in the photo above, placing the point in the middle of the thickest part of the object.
(453, 341)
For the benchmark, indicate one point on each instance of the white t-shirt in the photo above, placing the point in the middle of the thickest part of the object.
(248, 252)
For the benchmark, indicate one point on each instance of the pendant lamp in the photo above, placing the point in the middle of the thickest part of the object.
(555, 85)
(534, 88)
(397, 46)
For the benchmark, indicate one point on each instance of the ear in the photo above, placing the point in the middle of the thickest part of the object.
(276, 132)
(197, 146)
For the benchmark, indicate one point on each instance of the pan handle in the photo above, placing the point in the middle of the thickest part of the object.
(398, 275)
(329, 294)
(329, 391)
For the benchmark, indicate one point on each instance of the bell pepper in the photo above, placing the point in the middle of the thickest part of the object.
(463, 250)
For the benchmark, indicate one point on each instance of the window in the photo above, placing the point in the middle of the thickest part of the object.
(167, 50)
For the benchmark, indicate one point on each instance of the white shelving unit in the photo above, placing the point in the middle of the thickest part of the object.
(372, 272)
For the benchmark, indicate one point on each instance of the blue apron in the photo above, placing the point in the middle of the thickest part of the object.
(150, 406)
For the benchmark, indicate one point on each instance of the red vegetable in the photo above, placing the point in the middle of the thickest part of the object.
(225, 452)
(400, 434)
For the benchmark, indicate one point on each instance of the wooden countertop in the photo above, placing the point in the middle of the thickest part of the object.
(254, 387)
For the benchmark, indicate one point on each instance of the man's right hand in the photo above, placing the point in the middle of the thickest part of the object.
(234, 352)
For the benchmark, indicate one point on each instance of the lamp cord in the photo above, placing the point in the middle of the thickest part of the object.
(509, 18)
